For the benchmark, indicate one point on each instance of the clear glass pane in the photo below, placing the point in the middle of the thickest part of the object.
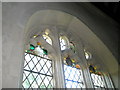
(37, 72)
(73, 77)
(97, 80)
(47, 39)
(63, 44)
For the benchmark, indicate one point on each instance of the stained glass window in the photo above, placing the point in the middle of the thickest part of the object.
(47, 39)
(87, 54)
(37, 72)
(63, 43)
(96, 76)
(72, 71)
(73, 77)
(38, 68)
(72, 46)
(97, 80)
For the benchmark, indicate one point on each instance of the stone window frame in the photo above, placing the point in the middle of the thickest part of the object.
(59, 83)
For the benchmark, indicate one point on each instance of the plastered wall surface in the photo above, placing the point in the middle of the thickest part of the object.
(0, 45)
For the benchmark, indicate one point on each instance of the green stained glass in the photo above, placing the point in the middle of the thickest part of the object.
(45, 51)
(26, 84)
(49, 86)
(32, 47)
(42, 86)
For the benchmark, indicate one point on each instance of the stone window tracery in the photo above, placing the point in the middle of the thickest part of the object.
(39, 68)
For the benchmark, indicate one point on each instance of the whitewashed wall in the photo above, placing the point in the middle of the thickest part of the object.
(1, 45)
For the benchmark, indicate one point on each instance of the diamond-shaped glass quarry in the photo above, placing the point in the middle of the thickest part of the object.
(73, 77)
(37, 72)
(97, 81)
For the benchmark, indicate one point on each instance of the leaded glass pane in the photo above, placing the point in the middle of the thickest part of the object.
(47, 39)
(37, 72)
(73, 77)
(62, 44)
(97, 80)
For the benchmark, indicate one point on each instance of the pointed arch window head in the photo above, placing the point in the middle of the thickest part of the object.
(88, 55)
(47, 39)
(66, 44)
(63, 42)
(46, 36)
(72, 47)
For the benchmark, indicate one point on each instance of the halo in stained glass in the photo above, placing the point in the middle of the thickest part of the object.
(38, 43)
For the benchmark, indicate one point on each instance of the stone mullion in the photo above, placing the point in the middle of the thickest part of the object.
(85, 69)
(58, 67)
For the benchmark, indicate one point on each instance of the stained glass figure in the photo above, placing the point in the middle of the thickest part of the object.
(72, 73)
(68, 61)
(38, 43)
(39, 51)
(91, 68)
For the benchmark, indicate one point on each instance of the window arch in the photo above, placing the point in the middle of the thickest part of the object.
(64, 42)
(47, 37)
